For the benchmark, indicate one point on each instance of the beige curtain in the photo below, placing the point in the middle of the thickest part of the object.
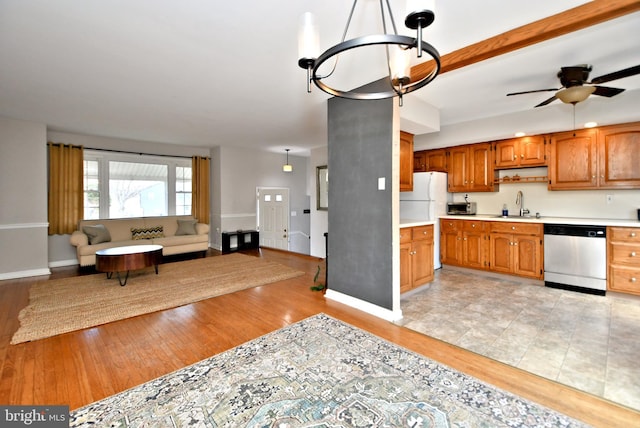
(200, 188)
(65, 188)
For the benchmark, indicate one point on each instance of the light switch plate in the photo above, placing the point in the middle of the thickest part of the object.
(381, 183)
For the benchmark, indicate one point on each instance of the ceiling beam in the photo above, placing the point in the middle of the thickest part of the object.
(578, 18)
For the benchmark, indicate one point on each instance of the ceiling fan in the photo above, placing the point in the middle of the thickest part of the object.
(573, 80)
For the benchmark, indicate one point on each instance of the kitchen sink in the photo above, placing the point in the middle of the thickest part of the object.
(514, 216)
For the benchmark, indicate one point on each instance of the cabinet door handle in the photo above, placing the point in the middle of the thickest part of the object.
(515, 157)
(424, 232)
(521, 156)
(464, 239)
(633, 254)
(473, 225)
(633, 234)
(513, 228)
(633, 280)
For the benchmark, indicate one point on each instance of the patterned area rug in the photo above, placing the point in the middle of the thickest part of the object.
(319, 372)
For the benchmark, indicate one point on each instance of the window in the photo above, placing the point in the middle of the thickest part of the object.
(91, 190)
(183, 190)
(118, 185)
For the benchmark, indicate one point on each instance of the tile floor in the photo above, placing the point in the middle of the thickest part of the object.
(589, 342)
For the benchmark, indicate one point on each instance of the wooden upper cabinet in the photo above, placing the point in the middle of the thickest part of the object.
(520, 152)
(436, 160)
(573, 160)
(619, 156)
(507, 154)
(458, 161)
(470, 168)
(430, 160)
(420, 161)
(607, 158)
(480, 168)
(406, 162)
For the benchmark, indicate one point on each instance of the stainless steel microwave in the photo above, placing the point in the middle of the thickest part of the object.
(461, 208)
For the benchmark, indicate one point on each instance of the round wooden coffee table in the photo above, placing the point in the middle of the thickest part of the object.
(121, 259)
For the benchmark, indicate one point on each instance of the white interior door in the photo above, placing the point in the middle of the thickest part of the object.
(273, 217)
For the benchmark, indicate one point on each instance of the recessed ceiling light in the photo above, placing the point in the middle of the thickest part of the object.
(520, 134)
(590, 124)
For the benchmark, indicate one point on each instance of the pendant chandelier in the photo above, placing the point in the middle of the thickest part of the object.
(398, 48)
(287, 167)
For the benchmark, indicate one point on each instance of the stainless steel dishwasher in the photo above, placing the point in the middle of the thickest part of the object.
(575, 257)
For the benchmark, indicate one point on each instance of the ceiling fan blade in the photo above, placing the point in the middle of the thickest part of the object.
(631, 71)
(531, 92)
(547, 101)
(605, 91)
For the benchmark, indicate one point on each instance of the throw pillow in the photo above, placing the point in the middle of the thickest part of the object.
(147, 232)
(97, 234)
(186, 227)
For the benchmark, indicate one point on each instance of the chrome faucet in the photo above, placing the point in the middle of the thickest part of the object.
(520, 203)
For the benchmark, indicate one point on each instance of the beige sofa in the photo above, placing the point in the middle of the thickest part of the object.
(176, 234)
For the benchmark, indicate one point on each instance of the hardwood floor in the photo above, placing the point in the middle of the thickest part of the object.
(81, 367)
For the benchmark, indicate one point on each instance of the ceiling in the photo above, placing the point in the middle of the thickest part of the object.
(204, 73)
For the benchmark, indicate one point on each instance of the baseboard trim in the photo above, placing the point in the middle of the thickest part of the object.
(63, 263)
(24, 274)
(370, 308)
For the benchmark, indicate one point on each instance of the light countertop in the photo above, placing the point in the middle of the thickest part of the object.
(407, 222)
(549, 220)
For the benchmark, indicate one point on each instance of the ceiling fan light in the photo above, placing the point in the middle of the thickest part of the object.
(575, 94)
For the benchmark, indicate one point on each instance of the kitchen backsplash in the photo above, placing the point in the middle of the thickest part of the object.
(612, 204)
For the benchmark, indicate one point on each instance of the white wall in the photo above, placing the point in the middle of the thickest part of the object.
(23, 199)
(557, 203)
(241, 172)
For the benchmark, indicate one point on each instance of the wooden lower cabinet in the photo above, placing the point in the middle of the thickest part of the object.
(506, 247)
(451, 242)
(475, 243)
(464, 243)
(516, 248)
(623, 254)
(416, 257)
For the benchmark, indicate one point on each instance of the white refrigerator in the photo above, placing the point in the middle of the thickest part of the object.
(428, 201)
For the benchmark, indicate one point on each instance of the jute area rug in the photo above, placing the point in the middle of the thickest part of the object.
(319, 372)
(69, 304)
